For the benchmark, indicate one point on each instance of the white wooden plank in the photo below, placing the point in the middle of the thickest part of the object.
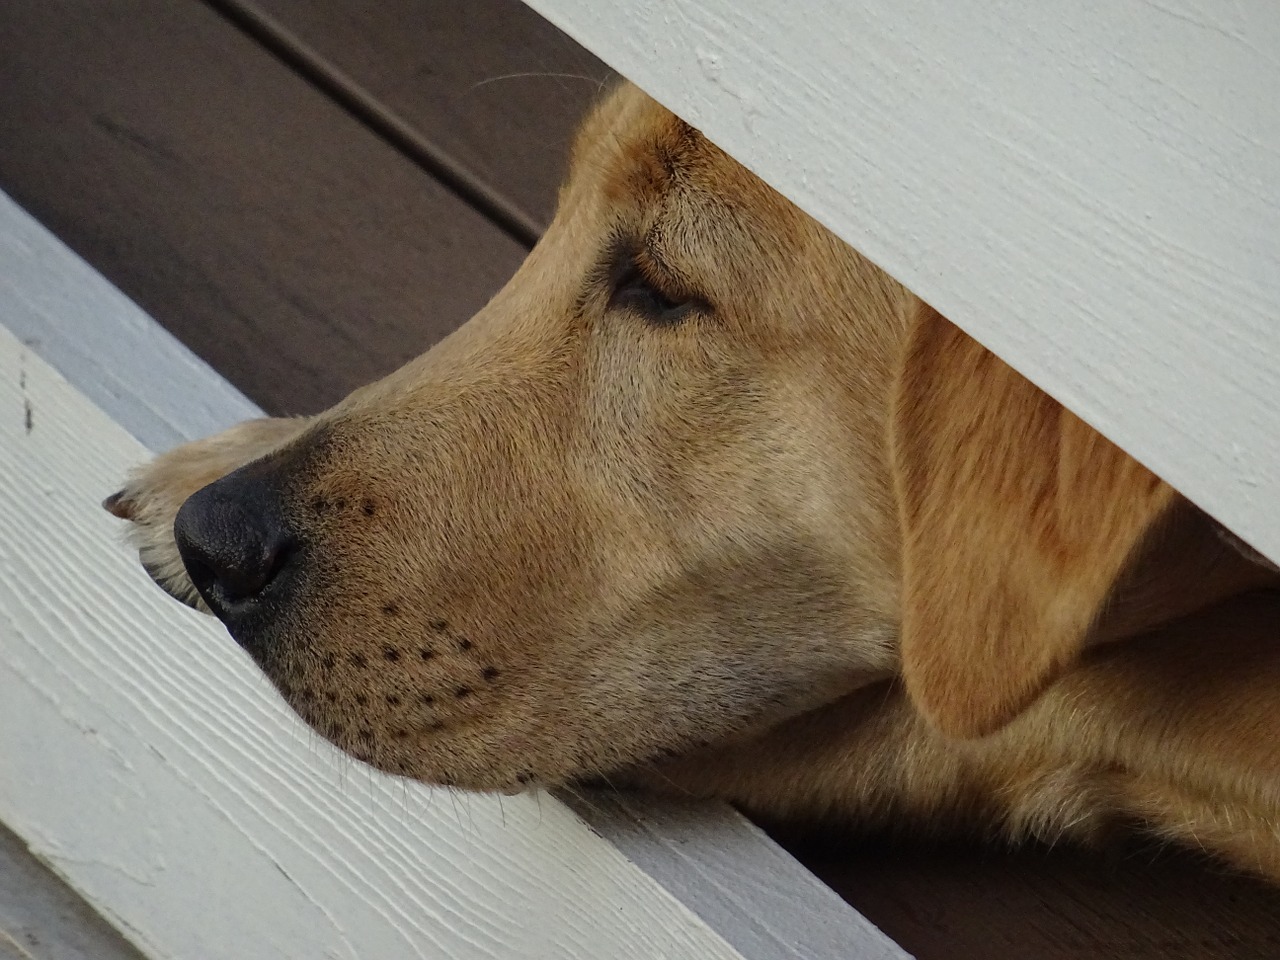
(41, 919)
(1091, 188)
(722, 868)
(147, 761)
(762, 899)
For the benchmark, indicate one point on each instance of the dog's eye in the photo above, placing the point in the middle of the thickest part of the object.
(634, 290)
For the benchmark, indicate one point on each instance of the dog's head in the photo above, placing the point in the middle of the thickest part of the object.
(690, 473)
(639, 501)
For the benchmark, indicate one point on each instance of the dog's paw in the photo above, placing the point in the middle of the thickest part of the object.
(153, 493)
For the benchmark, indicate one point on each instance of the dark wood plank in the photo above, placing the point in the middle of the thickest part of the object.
(489, 81)
(288, 247)
(973, 903)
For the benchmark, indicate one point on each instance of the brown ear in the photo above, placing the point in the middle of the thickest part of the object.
(1018, 518)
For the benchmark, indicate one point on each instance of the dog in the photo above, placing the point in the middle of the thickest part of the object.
(703, 501)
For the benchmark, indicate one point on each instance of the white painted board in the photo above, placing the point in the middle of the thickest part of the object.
(1091, 188)
(146, 760)
(754, 892)
(42, 919)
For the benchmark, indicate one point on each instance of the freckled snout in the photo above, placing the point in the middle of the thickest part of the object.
(238, 549)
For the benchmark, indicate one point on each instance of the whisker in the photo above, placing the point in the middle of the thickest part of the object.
(603, 776)
(456, 815)
(529, 74)
(652, 767)
(580, 797)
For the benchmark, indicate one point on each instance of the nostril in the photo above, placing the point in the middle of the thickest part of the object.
(255, 568)
(201, 574)
(232, 542)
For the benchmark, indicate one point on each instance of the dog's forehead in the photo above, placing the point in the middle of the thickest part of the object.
(633, 146)
(638, 168)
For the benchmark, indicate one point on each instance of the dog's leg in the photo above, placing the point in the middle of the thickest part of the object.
(1175, 733)
(1243, 833)
(866, 762)
(1183, 726)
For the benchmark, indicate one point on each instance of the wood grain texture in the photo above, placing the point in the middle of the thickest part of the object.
(489, 82)
(151, 765)
(1088, 188)
(221, 193)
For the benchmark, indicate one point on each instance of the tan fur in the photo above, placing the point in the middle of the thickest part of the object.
(775, 552)
(1039, 512)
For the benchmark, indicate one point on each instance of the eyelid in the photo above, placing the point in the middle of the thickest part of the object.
(628, 256)
(647, 251)
(650, 271)
(640, 257)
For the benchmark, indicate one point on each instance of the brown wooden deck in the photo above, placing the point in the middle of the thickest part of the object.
(309, 192)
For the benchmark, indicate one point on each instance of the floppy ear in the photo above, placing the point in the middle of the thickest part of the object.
(1018, 519)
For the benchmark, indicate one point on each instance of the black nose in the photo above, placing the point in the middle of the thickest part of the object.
(235, 544)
